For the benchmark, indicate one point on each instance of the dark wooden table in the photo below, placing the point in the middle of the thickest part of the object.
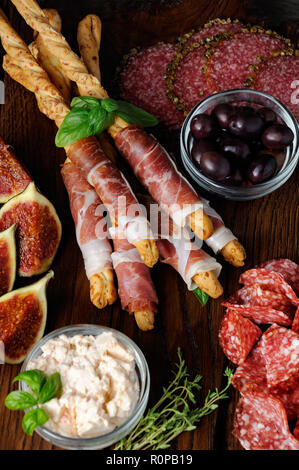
(268, 227)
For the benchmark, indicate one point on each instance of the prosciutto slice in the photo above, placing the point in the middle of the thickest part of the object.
(157, 172)
(112, 188)
(221, 235)
(91, 229)
(135, 286)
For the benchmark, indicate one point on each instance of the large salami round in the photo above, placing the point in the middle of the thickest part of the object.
(142, 83)
(282, 85)
(234, 58)
(261, 423)
(213, 29)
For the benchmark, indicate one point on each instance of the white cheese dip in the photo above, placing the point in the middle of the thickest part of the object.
(99, 385)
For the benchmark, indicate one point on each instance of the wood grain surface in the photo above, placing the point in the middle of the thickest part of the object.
(268, 227)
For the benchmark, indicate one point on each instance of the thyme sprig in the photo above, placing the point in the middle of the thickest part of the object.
(175, 412)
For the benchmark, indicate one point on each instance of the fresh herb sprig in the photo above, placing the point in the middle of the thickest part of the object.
(202, 296)
(91, 116)
(174, 413)
(43, 388)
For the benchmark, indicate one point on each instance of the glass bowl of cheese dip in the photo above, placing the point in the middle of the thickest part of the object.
(105, 386)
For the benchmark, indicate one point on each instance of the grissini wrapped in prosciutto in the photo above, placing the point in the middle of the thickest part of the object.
(91, 234)
(89, 85)
(176, 248)
(135, 287)
(87, 153)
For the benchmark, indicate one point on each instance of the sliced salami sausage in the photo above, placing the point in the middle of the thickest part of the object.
(251, 375)
(142, 83)
(233, 59)
(296, 430)
(237, 336)
(295, 324)
(260, 314)
(260, 423)
(190, 84)
(280, 348)
(287, 268)
(269, 280)
(281, 85)
(255, 295)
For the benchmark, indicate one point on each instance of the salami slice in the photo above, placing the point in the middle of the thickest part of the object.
(215, 28)
(255, 295)
(290, 400)
(251, 375)
(287, 268)
(280, 348)
(281, 85)
(142, 83)
(296, 430)
(234, 58)
(295, 324)
(237, 336)
(261, 423)
(269, 280)
(260, 314)
(189, 82)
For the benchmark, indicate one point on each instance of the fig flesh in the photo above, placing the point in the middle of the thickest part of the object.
(23, 316)
(7, 259)
(38, 230)
(13, 177)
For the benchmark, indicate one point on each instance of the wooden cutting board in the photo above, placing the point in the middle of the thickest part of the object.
(268, 227)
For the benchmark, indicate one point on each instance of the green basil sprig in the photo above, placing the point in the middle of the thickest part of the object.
(91, 116)
(202, 296)
(44, 390)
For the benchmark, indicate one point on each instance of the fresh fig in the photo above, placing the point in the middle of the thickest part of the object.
(7, 259)
(23, 316)
(13, 177)
(38, 230)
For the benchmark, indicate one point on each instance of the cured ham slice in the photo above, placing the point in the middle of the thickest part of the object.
(135, 286)
(111, 187)
(221, 235)
(157, 172)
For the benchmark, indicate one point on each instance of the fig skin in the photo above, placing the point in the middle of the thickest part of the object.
(8, 259)
(38, 230)
(21, 329)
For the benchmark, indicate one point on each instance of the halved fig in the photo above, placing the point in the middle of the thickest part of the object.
(13, 177)
(7, 259)
(38, 230)
(23, 316)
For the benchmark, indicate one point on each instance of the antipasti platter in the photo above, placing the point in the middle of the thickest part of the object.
(149, 276)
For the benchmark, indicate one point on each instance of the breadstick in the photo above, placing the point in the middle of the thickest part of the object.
(88, 85)
(89, 40)
(48, 61)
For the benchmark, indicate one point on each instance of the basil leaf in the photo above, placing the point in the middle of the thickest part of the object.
(19, 400)
(85, 102)
(109, 104)
(51, 389)
(32, 419)
(74, 127)
(201, 295)
(134, 115)
(34, 378)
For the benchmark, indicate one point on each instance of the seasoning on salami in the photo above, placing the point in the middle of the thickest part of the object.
(261, 423)
(280, 84)
(237, 336)
(287, 268)
(269, 280)
(142, 83)
(238, 56)
(214, 28)
(260, 314)
(280, 348)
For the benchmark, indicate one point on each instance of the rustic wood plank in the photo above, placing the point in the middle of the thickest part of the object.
(268, 227)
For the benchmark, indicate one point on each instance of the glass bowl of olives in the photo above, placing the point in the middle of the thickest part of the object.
(240, 144)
